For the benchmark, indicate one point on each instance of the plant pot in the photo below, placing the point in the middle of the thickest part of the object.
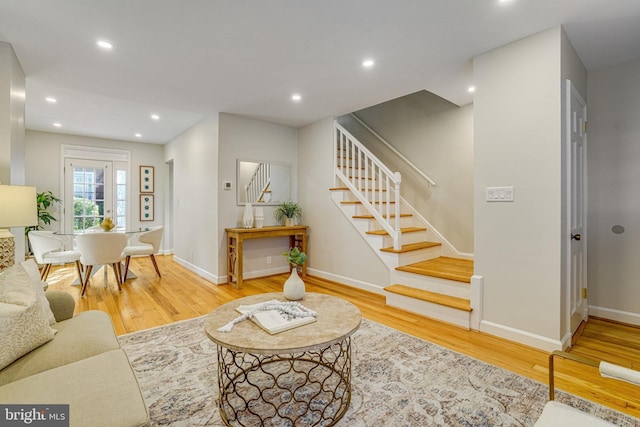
(289, 222)
(293, 289)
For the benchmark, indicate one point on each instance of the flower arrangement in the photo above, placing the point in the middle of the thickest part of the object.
(295, 256)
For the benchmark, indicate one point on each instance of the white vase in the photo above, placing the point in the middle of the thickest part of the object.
(289, 222)
(247, 219)
(259, 216)
(293, 289)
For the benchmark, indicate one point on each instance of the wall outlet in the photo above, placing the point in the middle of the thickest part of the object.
(268, 260)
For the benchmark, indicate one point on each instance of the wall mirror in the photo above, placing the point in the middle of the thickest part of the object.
(266, 182)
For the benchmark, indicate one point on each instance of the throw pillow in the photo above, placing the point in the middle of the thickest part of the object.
(23, 321)
(32, 270)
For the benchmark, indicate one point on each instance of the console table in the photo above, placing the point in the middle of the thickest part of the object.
(236, 236)
(297, 377)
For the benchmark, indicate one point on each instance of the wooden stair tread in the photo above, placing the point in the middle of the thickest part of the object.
(411, 247)
(433, 297)
(358, 202)
(347, 189)
(449, 268)
(384, 216)
(402, 230)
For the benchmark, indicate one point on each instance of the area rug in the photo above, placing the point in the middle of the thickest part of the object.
(397, 380)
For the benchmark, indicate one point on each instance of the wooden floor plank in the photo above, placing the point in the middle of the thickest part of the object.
(149, 301)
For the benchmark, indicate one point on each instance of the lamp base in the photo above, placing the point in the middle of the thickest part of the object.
(7, 249)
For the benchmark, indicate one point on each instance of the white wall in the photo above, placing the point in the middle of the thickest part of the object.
(517, 133)
(252, 140)
(336, 250)
(614, 183)
(194, 155)
(441, 146)
(12, 152)
(43, 164)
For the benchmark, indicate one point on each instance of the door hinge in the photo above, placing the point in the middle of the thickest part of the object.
(584, 293)
(585, 126)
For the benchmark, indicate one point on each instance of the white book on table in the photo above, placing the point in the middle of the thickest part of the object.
(272, 321)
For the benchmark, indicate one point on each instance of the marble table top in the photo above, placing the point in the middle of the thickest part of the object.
(336, 320)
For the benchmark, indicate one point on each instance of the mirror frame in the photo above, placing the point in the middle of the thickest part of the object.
(240, 184)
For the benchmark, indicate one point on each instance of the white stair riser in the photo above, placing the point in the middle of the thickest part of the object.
(432, 284)
(435, 311)
(393, 260)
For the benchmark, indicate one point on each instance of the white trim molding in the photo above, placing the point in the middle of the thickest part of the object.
(522, 337)
(613, 314)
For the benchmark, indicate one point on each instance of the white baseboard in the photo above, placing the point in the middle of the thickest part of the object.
(617, 315)
(522, 337)
(217, 280)
(347, 281)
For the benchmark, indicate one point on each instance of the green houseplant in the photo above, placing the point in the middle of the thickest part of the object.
(287, 212)
(44, 201)
(295, 256)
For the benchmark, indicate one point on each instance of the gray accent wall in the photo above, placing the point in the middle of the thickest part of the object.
(614, 192)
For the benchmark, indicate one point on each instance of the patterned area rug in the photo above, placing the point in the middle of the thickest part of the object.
(397, 380)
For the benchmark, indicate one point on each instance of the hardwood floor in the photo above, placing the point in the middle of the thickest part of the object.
(149, 301)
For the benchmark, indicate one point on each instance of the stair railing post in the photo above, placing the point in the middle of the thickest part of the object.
(397, 179)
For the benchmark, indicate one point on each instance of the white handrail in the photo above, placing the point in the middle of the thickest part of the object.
(396, 152)
(372, 183)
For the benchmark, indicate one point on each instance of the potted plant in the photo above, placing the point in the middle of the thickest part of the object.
(44, 200)
(293, 289)
(295, 257)
(287, 213)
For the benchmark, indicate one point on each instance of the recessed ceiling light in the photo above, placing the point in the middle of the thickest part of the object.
(138, 135)
(368, 63)
(296, 97)
(104, 44)
(155, 117)
(471, 89)
(57, 125)
(51, 100)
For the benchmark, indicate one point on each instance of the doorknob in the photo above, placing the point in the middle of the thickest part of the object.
(576, 236)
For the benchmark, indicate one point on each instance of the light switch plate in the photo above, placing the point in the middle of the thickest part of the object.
(499, 194)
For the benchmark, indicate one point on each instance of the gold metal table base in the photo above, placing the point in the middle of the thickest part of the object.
(312, 388)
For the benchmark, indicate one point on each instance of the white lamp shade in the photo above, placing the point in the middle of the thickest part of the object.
(18, 206)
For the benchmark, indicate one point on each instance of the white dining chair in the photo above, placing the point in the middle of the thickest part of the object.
(144, 243)
(101, 249)
(49, 249)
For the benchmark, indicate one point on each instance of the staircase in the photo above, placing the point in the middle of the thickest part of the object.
(426, 276)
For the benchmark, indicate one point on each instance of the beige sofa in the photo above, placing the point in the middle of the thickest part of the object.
(83, 366)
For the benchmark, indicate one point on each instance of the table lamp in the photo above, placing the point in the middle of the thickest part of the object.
(18, 208)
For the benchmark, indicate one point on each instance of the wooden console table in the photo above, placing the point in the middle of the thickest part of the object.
(236, 236)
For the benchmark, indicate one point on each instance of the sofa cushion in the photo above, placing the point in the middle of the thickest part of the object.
(23, 321)
(87, 334)
(101, 391)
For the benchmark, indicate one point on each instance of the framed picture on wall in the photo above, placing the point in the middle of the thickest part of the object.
(146, 179)
(146, 207)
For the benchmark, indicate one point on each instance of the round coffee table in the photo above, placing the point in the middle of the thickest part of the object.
(297, 377)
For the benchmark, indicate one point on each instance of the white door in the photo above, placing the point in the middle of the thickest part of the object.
(88, 193)
(577, 209)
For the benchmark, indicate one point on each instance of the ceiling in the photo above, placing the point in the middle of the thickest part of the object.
(187, 59)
